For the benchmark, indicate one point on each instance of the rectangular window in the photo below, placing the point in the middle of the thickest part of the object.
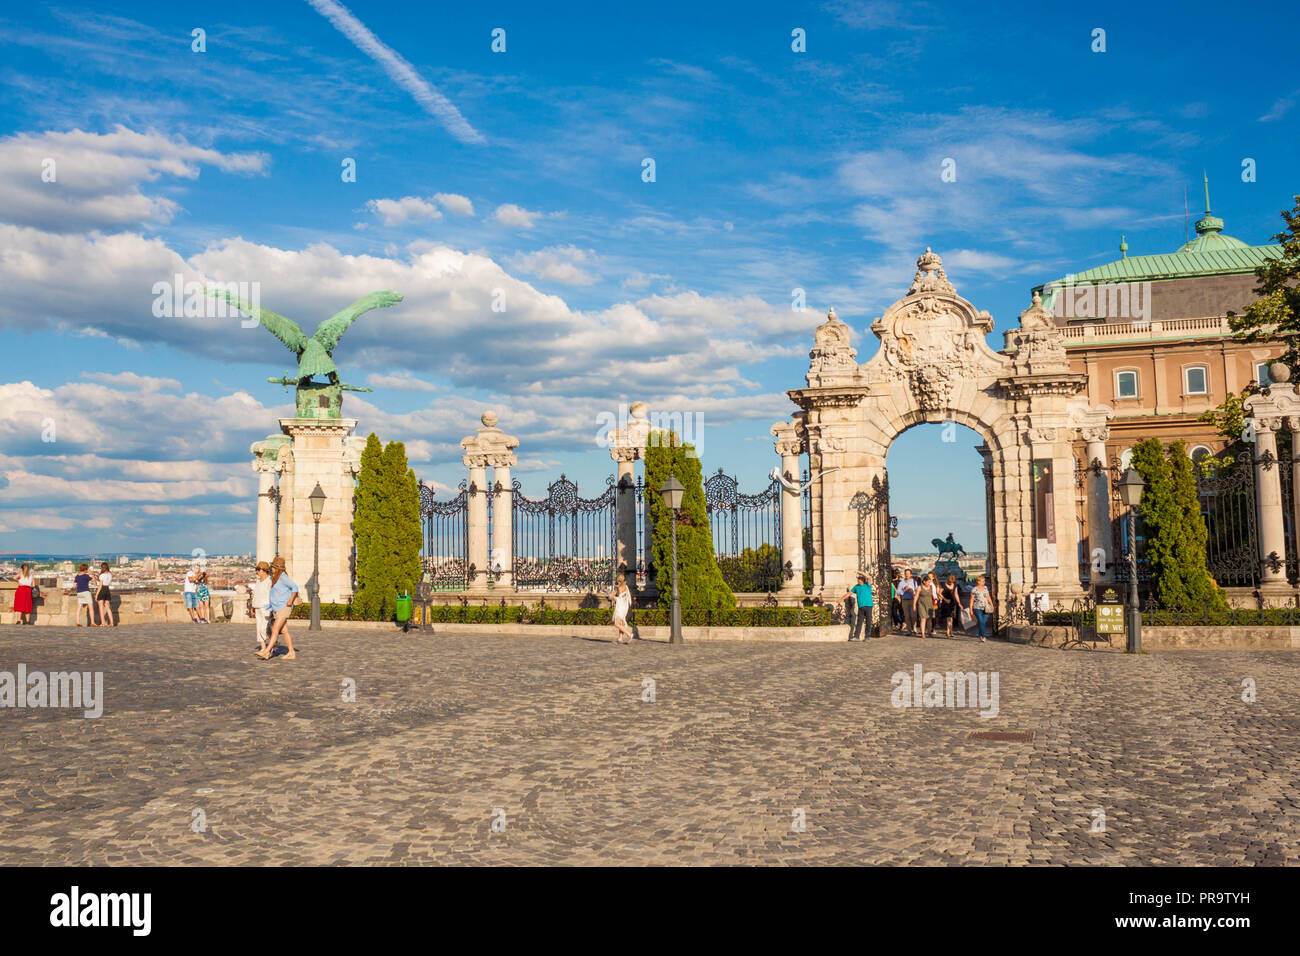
(1126, 384)
(1196, 383)
(1261, 374)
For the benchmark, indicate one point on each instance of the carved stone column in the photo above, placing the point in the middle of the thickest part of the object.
(489, 446)
(267, 464)
(789, 446)
(626, 446)
(503, 512)
(1268, 489)
(1100, 535)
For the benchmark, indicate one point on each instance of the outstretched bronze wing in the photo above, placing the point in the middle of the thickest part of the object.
(329, 332)
(285, 329)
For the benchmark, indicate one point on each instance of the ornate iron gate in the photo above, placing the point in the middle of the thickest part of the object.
(446, 542)
(876, 558)
(564, 542)
(746, 533)
(1227, 496)
(1288, 514)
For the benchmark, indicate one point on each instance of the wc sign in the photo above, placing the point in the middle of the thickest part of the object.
(1110, 619)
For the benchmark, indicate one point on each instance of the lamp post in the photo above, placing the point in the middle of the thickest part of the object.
(1130, 492)
(317, 499)
(672, 491)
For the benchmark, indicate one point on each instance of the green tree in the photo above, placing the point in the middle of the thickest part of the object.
(402, 507)
(1275, 315)
(1175, 529)
(367, 533)
(700, 581)
(386, 529)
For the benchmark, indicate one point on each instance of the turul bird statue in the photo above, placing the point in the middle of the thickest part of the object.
(315, 354)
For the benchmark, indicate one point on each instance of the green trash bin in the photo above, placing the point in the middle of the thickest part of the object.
(404, 604)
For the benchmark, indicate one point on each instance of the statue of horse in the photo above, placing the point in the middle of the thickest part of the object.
(948, 547)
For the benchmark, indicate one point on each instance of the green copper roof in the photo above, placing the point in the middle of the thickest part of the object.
(1210, 254)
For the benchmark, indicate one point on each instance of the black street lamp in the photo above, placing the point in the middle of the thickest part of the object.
(672, 491)
(1130, 492)
(317, 499)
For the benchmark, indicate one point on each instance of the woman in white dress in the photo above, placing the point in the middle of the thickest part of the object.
(104, 596)
(261, 594)
(622, 604)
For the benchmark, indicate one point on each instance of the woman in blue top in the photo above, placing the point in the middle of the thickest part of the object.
(284, 595)
(83, 596)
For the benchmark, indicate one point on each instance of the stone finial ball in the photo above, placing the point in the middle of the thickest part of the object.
(489, 419)
(638, 409)
(1279, 373)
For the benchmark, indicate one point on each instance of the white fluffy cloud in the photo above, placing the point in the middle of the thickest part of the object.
(455, 204)
(97, 178)
(558, 263)
(396, 212)
(509, 214)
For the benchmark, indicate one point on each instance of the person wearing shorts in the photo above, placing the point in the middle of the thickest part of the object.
(279, 604)
(83, 596)
(191, 591)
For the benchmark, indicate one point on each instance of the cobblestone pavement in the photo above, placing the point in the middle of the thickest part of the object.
(554, 733)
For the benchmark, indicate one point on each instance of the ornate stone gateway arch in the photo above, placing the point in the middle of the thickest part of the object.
(934, 365)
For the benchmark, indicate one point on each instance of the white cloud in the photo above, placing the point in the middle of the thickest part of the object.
(97, 177)
(557, 263)
(511, 215)
(399, 70)
(455, 204)
(395, 212)
(400, 382)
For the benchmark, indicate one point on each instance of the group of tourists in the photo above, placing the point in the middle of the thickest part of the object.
(25, 595)
(273, 598)
(916, 605)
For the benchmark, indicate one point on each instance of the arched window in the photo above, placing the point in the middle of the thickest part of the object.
(1262, 377)
(1126, 383)
(1198, 452)
(1125, 460)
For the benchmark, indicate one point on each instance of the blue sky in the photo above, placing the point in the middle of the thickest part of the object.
(522, 171)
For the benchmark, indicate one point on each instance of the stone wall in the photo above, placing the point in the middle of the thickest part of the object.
(55, 606)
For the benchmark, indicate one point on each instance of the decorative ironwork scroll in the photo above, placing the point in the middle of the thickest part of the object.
(446, 540)
(746, 534)
(565, 542)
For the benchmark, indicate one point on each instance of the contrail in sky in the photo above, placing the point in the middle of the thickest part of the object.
(401, 72)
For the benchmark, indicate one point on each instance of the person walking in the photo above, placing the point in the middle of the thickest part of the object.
(23, 602)
(82, 584)
(279, 604)
(949, 603)
(261, 596)
(203, 598)
(981, 605)
(622, 604)
(104, 596)
(924, 603)
(895, 605)
(907, 589)
(860, 595)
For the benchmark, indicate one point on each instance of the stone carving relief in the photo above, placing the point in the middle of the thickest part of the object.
(489, 446)
(932, 386)
(1038, 343)
(832, 356)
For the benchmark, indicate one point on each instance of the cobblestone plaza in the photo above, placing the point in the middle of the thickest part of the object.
(204, 755)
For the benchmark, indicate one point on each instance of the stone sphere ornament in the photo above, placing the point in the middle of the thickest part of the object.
(1279, 373)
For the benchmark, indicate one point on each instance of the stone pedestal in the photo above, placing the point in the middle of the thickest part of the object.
(1099, 529)
(320, 454)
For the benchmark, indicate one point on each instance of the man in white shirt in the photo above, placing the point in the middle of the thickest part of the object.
(191, 592)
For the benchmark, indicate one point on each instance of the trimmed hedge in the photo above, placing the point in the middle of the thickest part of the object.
(652, 617)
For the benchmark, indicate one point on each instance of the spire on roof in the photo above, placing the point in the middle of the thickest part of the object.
(1206, 179)
(1209, 224)
(1123, 248)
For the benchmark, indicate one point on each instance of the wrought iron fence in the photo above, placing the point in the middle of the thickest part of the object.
(564, 542)
(446, 539)
(746, 534)
(1226, 491)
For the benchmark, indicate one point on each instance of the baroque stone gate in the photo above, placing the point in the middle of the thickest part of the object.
(934, 365)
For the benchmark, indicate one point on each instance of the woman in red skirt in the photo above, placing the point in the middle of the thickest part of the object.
(23, 596)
